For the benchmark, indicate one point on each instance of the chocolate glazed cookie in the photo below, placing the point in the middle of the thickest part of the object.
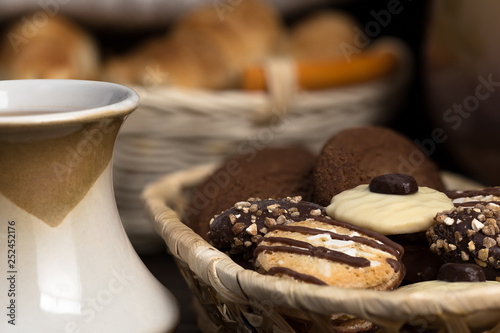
(238, 229)
(469, 234)
(354, 156)
(267, 173)
(473, 197)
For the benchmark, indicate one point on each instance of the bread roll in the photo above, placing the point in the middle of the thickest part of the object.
(206, 48)
(245, 33)
(57, 49)
(323, 35)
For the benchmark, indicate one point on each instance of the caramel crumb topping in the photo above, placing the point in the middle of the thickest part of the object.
(269, 222)
(238, 228)
(489, 242)
(281, 219)
(315, 212)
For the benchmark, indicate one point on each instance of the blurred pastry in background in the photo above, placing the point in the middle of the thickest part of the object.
(323, 35)
(204, 49)
(326, 50)
(188, 62)
(56, 49)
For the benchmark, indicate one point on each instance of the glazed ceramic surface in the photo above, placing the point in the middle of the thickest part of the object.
(66, 264)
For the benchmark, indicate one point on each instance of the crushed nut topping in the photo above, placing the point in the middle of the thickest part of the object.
(238, 228)
(448, 221)
(315, 212)
(489, 242)
(272, 208)
(281, 219)
(483, 254)
(256, 238)
(269, 222)
(252, 229)
(476, 225)
(239, 205)
(480, 263)
(253, 208)
(295, 199)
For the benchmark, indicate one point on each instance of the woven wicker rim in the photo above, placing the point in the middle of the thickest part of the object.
(238, 285)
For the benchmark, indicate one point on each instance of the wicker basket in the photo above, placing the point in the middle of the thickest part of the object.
(229, 298)
(175, 129)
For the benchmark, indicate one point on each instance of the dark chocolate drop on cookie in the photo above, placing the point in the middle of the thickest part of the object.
(454, 272)
(394, 183)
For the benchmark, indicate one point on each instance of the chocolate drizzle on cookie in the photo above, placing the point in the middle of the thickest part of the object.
(296, 275)
(304, 248)
(345, 246)
(394, 249)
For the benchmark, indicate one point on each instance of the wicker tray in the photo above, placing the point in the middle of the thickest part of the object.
(175, 129)
(229, 298)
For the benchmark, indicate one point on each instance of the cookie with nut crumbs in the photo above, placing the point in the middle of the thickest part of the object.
(238, 229)
(469, 234)
(324, 251)
(473, 197)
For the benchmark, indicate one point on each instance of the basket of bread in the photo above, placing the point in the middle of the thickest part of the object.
(213, 87)
(368, 235)
(220, 80)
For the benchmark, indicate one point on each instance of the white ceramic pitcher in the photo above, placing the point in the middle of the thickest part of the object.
(66, 264)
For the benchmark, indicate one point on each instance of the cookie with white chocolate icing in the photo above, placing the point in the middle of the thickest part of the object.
(324, 251)
(388, 206)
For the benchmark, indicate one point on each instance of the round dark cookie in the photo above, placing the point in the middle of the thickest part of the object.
(355, 156)
(267, 173)
(469, 234)
(238, 229)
